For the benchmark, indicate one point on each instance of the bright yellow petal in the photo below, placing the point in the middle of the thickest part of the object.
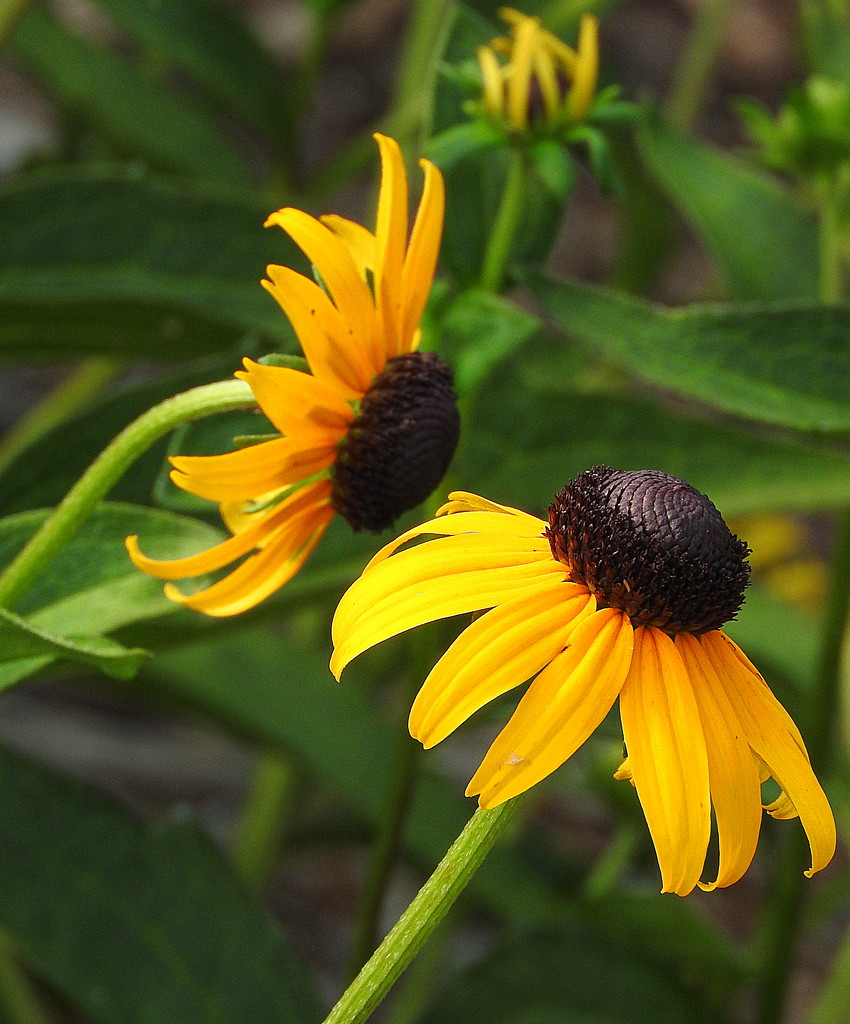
(338, 271)
(667, 754)
(732, 771)
(250, 472)
(547, 79)
(420, 262)
(266, 571)
(328, 345)
(776, 740)
(359, 240)
(525, 42)
(586, 70)
(371, 614)
(499, 650)
(455, 524)
(561, 708)
(493, 81)
(298, 403)
(254, 536)
(390, 244)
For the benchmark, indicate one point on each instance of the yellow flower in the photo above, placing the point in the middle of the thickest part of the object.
(621, 595)
(541, 74)
(368, 433)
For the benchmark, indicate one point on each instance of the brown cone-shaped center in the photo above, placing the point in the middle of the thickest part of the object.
(401, 443)
(651, 545)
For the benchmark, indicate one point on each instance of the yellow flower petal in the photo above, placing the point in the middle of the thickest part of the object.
(586, 70)
(216, 557)
(325, 338)
(420, 262)
(274, 564)
(776, 740)
(297, 403)
(493, 80)
(500, 650)
(390, 244)
(391, 598)
(250, 472)
(547, 79)
(667, 754)
(732, 770)
(561, 708)
(359, 240)
(338, 270)
(526, 40)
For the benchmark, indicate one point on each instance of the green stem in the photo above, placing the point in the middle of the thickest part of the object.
(784, 915)
(429, 21)
(429, 907)
(259, 838)
(401, 784)
(16, 993)
(75, 391)
(830, 238)
(697, 62)
(105, 471)
(507, 222)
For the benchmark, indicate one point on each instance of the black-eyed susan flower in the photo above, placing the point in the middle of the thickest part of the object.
(531, 77)
(368, 433)
(620, 595)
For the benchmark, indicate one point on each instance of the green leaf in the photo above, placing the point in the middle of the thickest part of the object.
(141, 118)
(91, 588)
(477, 331)
(461, 141)
(567, 976)
(546, 415)
(783, 365)
(122, 261)
(762, 243)
(21, 641)
(210, 44)
(133, 925)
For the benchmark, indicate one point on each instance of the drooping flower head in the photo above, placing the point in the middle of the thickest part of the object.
(542, 80)
(620, 595)
(368, 433)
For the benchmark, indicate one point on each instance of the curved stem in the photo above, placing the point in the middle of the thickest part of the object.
(696, 63)
(429, 907)
(78, 504)
(506, 224)
(17, 997)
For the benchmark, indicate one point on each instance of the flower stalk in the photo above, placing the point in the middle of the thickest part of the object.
(506, 226)
(429, 907)
(106, 470)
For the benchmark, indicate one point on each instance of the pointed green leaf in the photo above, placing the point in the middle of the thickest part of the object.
(210, 44)
(122, 261)
(784, 365)
(762, 242)
(142, 119)
(135, 925)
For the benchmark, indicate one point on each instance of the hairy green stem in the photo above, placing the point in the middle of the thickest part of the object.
(106, 470)
(506, 225)
(429, 907)
(74, 392)
(258, 840)
(697, 62)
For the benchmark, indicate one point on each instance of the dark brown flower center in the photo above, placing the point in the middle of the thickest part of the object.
(651, 545)
(401, 443)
